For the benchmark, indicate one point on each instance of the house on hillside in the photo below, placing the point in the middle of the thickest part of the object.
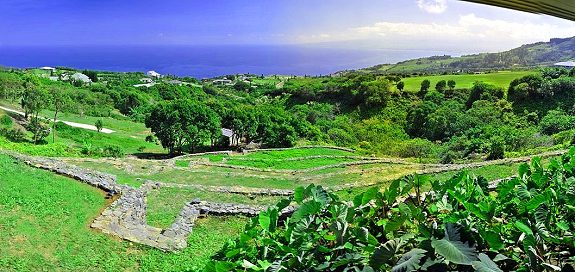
(146, 80)
(154, 74)
(79, 77)
(230, 135)
(222, 82)
(46, 68)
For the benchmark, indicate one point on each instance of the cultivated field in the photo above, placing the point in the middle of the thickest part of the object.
(47, 216)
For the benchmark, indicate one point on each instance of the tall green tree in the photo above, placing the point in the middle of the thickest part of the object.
(183, 123)
(441, 85)
(60, 101)
(34, 98)
(451, 84)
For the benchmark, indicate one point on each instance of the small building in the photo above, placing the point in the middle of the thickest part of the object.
(222, 82)
(175, 82)
(565, 64)
(226, 132)
(146, 80)
(46, 68)
(154, 74)
(81, 78)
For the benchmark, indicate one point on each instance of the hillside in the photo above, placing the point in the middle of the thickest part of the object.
(526, 56)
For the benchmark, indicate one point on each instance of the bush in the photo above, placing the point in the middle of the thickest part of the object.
(496, 148)
(113, 151)
(556, 121)
(6, 121)
(13, 135)
(417, 148)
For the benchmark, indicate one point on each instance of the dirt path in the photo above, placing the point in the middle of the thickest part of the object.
(72, 124)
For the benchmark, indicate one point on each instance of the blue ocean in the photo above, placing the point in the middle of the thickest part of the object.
(204, 61)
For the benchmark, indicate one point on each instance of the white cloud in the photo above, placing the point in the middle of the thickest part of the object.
(432, 6)
(468, 33)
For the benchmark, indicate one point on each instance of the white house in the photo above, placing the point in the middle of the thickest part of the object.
(154, 74)
(51, 69)
(80, 77)
(146, 80)
(222, 82)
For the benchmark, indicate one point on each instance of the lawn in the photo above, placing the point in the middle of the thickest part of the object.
(501, 79)
(128, 135)
(44, 221)
(165, 204)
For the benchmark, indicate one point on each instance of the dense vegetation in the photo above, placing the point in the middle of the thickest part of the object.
(524, 224)
(373, 114)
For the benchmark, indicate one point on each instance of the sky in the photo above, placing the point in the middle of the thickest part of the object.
(450, 25)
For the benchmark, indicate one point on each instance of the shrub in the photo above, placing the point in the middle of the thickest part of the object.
(13, 135)
(113, 151)
(5, 120)
(556, 121)
(496, 148)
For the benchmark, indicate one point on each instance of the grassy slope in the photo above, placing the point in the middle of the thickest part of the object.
(44, 225)
(501, 79)
(128, 135)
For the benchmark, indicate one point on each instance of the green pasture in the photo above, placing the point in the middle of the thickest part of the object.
(500, 79)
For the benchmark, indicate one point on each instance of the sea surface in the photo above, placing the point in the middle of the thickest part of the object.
(204, 61)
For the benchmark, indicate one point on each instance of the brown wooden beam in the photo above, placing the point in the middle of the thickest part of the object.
(559, 8)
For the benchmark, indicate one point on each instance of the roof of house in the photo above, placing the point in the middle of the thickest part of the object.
(47, 68)
(80, 77)
(227, 132)
(154, 73)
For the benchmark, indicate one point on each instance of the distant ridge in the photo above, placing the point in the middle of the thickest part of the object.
(525, 56)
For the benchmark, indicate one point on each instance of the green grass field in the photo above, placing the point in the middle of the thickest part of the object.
(44, 222)
(165, 204)
(128, 135)
(501, 79)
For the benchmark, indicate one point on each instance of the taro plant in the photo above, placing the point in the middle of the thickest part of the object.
(462, 224)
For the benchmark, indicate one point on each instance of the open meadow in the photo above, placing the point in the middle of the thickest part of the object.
(465, 81)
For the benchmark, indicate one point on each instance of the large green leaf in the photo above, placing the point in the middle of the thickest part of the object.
(485, 264)
(409, 261)
(369, 195)
(306, 209)
(298, 194)
(523, 227)
(454, 251)
(385, 252)
(493, 239)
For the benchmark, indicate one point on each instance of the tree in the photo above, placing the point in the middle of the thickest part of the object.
(39, 130)
(183, 123)
(451, 84)
(425, 84)
(93, 75)
(34, 98)
(440, 86)
(10, 86)
(400, 85)
(99, 125)
(60, 101)
(377, 92)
